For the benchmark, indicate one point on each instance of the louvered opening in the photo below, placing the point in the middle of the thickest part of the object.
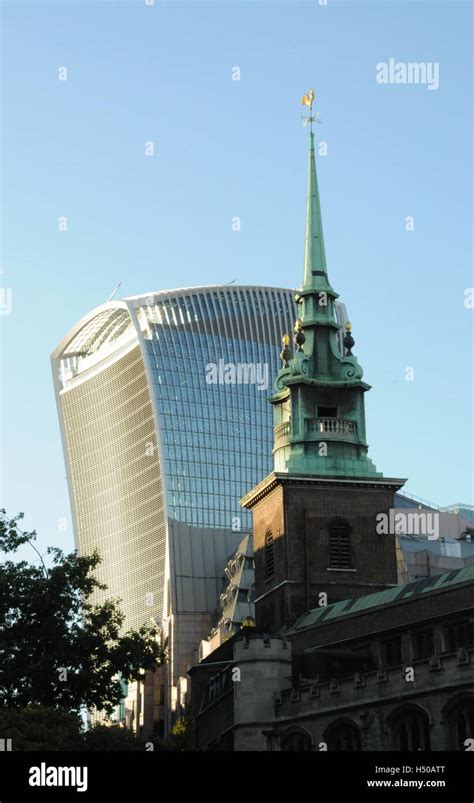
(340, 552)
(269, 557)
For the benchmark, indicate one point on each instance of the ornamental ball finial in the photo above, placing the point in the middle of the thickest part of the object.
(299, 336)
(348, 341)
(286, 353)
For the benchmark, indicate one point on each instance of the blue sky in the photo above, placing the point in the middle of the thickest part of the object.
(225, 148)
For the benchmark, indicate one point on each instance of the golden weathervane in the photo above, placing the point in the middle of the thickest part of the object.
(308, 100)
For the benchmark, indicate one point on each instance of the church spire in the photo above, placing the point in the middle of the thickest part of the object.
(315, 514)
(318, 394)
(315, 267)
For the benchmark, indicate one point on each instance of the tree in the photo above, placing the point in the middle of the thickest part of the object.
(57, 649)
(104, 738)
(39, 728)
(181, 735)
(42, 728)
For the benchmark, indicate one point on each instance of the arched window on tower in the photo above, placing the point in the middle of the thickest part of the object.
(343, 735)
(410, 729)
(340, 544)
(269, 556)
(458, 715)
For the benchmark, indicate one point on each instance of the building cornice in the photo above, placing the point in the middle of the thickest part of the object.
(278, 478)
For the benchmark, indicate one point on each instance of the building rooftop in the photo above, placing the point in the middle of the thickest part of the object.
(178, 291)
(396, 594)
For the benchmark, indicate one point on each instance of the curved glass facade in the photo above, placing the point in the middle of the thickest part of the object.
(213, 355)
(162, 401)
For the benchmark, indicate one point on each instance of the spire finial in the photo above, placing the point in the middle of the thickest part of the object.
(308, 100)
(315, 275)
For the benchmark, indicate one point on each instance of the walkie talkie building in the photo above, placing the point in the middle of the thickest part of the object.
(155, 394)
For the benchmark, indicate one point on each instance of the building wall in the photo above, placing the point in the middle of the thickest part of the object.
(214, 728)
(237, 719)
(264, 665)
(298, 515)
(372, 704)
(116, 488)
(272, 707)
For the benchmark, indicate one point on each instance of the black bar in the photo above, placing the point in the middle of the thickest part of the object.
(131, 776)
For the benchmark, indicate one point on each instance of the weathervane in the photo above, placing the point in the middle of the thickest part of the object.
(308, 100)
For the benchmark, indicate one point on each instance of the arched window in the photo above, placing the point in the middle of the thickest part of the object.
(410, 729)
(295, 741)
(269, 556)
(458, 715)
(343, 736)
(340, 546)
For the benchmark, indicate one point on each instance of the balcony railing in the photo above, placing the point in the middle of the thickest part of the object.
(331, 426)
(282, 430)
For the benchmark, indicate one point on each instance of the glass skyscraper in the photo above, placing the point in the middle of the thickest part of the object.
(156, 396)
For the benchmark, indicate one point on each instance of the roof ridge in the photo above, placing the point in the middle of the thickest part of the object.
(387, 596)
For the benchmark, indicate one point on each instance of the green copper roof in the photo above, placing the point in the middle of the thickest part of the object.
(315, 269)
(319, 414)
(350, 606)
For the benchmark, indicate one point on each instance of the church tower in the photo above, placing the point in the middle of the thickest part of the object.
(315, 515)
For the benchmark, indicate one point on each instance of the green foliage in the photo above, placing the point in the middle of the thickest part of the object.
(37, 728)
(41, 728)
(57, 649)
(112, 737)
(180, 735)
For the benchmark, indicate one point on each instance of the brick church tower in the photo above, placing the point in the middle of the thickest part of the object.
(314, 516)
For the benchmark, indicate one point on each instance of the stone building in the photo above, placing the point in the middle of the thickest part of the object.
(342, 657)
(390, 671)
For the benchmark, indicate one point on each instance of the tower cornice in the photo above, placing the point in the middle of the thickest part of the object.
(277, 478)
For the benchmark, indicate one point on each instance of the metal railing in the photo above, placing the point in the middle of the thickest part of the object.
(331, 426)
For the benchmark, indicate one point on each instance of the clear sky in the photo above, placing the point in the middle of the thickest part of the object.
(225, 148)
